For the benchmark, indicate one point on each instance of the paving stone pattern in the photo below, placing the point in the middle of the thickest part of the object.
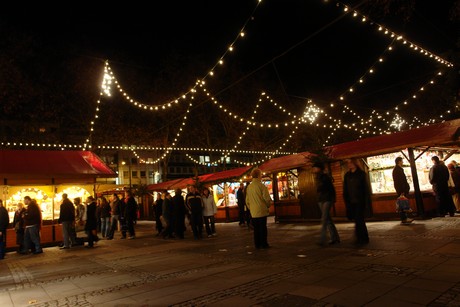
(422, 258)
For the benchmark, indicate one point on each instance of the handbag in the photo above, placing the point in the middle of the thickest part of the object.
(163, 221)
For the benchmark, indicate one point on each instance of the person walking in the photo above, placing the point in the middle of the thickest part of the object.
(67, 219)
(194, 205)
(209, 210)
(439, 178)
(33, 223)
(402, 188)
(326, 197)
(19, 226)
(356, 195)
(4, 223)
(258, 201)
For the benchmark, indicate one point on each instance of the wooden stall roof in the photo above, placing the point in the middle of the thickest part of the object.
(206, 178)
(228, 175)
(189, 181)
(161, 186)
(285, 163)
(20, 167)
(445, 134)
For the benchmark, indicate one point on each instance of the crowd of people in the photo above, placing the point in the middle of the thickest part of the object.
(197, 209)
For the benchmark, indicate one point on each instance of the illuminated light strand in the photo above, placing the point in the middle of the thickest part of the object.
(106, 87)
(416, 95)
(240, 118)
(400, 38)
(361, 80)
(178, 134)
(211, 72)
(391, 123)
(165, 106)
(231, 47)
(351, 90)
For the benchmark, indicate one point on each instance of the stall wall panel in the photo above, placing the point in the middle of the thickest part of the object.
(308, 201)
(337, 177)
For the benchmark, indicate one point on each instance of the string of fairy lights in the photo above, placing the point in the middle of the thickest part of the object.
(310, 115)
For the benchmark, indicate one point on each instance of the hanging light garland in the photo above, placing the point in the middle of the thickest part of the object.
(388, 32)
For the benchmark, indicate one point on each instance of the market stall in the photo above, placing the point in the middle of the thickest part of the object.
(45, 175)
(378, 153)
(224, 186)
(291, 187)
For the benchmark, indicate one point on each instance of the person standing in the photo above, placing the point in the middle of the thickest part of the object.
(209, 210)
(455, 175)
(194, 205)
(91, 221)
(258, 201)
(4, 223)
(356, 195)
(130, 213)
(401, 186)
(115, 208)
(240, 197)
(18, 224)
(67, 219)
(80, 214)
(33, 222)
(166, 214)
(439, 178)
(105, 217)
(179, 213)
(326, 195)
(158, 212)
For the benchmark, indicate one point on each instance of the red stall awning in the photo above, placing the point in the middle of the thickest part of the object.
(436, 135)
(21, 167)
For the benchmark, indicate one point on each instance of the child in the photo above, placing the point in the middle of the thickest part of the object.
(403, 207)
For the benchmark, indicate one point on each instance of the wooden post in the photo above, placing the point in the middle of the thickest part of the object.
(417, 192)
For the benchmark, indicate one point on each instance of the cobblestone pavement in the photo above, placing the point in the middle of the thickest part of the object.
(404, 265)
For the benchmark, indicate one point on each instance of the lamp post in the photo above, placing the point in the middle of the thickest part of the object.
(129, 170)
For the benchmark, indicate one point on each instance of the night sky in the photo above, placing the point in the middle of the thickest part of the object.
(292, 49)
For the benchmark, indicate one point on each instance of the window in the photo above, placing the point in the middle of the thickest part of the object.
(142, 174)
(288, 187)
(150, 174)
(134, 174)
(125, 174)
(205, 159)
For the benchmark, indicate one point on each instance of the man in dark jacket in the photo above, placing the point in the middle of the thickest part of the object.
(194, 205)
(439, 179)
(67, 219)
(4, 222)
(179, 213)
(401, 186)
(130, 214)
(91, 221)
(356, 194)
